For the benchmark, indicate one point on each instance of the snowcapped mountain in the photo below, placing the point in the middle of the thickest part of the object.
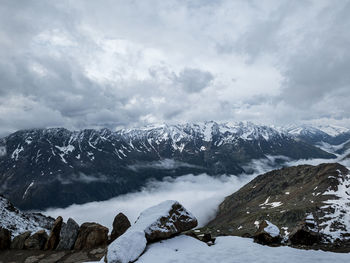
(18, 222)
(57, 167)
(323, 133)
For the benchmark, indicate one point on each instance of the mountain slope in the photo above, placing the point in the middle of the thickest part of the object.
(287, 197)
(40, 168)
(331, 134)
(18, 222)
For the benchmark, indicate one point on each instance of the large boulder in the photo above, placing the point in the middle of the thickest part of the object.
(165, 220)
(18, 241)
(68, 235)
(91, 235)
(120, 224)
(304, 234)
(155, 223)
(267, 234)
(54, 237)
(5, 238)
(36, 241)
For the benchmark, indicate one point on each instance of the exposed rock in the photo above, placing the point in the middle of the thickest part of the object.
(36, 241)
(34, 259)
(54, 237)
(304, 235)
(158, 222)
(53, 257)
(18, 241)
(68, 235)
(120, 224)
(267, 234)
(5, 238)
(91, 235)
(165, 220)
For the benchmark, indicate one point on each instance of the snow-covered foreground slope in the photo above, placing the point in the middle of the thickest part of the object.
(231, 249)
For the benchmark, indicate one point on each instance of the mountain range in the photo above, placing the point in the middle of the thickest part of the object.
(55, 167)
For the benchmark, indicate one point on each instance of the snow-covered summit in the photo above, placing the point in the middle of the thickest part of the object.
(325, 130)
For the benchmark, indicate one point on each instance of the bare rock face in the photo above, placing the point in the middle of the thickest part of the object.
(303, 234)
(68, 235)
(91, 235)
(54, 237)
(165, 220)
(36, 241)
(5, 238)
(120, 224)
(18, 241)
(267, 234)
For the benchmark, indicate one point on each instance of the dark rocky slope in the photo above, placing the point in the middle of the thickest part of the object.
(316, 195)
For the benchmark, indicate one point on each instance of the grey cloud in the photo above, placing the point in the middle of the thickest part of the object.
(194, 80)
(90, 64)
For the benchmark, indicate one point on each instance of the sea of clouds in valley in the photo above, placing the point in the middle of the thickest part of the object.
(200, 194)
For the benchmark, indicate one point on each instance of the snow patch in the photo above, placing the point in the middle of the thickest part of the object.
(271, 229)
(3, 151)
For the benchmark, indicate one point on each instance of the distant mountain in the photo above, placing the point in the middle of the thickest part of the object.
(40, 168)
(316, 195)
(331, 134)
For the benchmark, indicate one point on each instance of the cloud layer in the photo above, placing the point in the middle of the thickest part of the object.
(200, 194)
(126, 63)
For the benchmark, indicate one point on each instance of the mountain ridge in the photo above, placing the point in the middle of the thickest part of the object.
(57, 167)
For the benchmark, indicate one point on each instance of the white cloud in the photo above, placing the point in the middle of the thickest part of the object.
(199, 194)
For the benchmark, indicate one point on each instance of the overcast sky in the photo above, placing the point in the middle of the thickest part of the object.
(79, 64)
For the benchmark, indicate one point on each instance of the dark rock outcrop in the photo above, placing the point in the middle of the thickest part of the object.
(265, 236)
(18, 241)
(36, 241)
(5, 238)
(303, 235)
(120, 224)
(54, 236)
(91, 235)
(68, 235)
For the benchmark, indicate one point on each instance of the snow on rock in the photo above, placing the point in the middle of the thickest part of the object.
(164, 220)
(267, 234)
(16, 152)
(2, 151)
(336, 223)
(18, 222)
(271, 229)
(157, 222)
(127, 248)
(230, 249)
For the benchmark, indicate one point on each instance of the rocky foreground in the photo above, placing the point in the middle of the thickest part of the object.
(69, 242)
(303, 207)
